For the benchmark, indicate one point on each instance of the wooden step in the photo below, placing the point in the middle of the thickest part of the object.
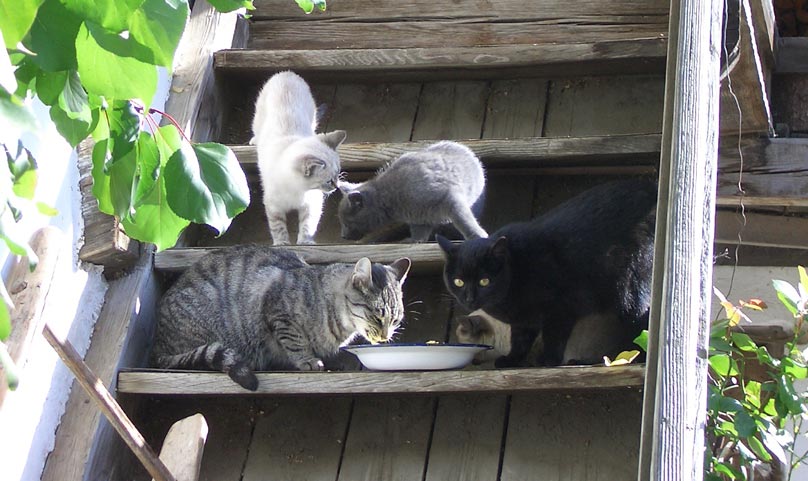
(161, 382)
(638, 56)
(424, 256)
(532, 153)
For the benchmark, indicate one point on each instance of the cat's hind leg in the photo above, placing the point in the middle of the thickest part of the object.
(309, 216)
(295, 345)
(463, 219)
(213, 357)
(420, 232)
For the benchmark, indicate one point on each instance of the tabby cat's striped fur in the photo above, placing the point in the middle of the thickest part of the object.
(248, 308)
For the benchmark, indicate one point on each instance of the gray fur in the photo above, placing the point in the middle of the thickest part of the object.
(246, 308)
(424, 189)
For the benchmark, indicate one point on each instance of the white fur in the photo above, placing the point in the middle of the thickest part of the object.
(286, 142)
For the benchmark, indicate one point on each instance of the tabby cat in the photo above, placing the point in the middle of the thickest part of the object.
(297, 167)
(582, 267)
(247, 308)
(439, 184)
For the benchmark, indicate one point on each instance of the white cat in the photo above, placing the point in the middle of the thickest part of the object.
(297, 167)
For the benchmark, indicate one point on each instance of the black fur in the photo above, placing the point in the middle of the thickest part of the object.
(590, 256)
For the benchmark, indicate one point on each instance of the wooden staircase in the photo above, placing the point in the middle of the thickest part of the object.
(554, 97)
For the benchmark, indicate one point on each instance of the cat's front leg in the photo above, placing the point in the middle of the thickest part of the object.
(419, 232)
(296, 346)
(309, 216)
(277, 227)
(522, 339)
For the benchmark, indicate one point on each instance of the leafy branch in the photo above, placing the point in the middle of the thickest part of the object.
(94, 64)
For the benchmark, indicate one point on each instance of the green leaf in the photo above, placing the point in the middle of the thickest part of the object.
(723, 365)
(49, 85)
(101, 157)
(45, 209)
(53, 37)
(16, 17)
(73, 130)
(113, 15)
(728, 471)
(158, 25)
(642, 340)
(12, 378)
(206, 184)
(306, 5)
(230, 5)
(5, 318)
(794, 368)
(7, 79)
(757, 447)
(22, 167)
(107, 68)
(744, 424)
(148, 167)
(719, 403)
(803, 277)
(14, 115)
(787, 294)
(15, 245)
(122, 182)
(789, 397)
(154, 221)
(73, 99)
(743, 342)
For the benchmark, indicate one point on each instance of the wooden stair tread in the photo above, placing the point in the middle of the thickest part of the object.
(422, 255)
(161, 382)
(640, 55)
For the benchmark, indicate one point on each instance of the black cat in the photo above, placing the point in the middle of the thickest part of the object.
(589, 258)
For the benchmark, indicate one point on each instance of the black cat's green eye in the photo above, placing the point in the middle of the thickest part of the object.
(484, 281)
(459, 282)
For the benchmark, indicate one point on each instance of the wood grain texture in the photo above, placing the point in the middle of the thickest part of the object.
(585, 437)
(451, 110)
(471, 9)
(375, 112)
(388, 440)
(760, 229)
(467, 437)
(447, 63)
(83, 442)
(183, 447)
(298, 439)
(367, 382)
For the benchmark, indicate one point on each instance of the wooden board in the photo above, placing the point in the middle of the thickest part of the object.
(605, 106)
(447, 63)
(375, 112)
(629, 10)
(585, 437)
(183, 447)
(467, 438)
(298, 439)
(450, 111)
(760, 229)
(393, 443)
(152, 381)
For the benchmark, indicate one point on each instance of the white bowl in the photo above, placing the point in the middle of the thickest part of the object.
(415, 357)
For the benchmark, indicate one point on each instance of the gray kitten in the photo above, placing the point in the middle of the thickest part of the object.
(246, 308)
(425, 189)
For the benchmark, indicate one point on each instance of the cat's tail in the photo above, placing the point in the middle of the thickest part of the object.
(212, 357)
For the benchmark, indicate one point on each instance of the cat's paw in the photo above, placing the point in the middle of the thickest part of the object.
(311, 365)
(244, 376)
(306, 241)
(280, 243)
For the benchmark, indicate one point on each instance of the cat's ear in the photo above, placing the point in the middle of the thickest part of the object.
(333, 139)
(401, 267)
(361, 278)
(499, 249)
(356, 200)
(310, 164)
(445, 244)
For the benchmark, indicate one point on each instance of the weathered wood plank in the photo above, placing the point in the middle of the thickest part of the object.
(447, 63)
(183, 447)
(467, 9)
(792, 55)
(467, 437)
(586, 437)
(422, 255)
(363, 34)
(298, 439)
(393, 442)
(375, 112)
(450, 110)
(367, 382)
(789, 232)
(495, 153)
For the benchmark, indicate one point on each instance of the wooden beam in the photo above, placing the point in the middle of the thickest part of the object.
(792, 55)
(644, 55)
(370, 382)
(675, 391)
(754, 228)
(422, 255)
